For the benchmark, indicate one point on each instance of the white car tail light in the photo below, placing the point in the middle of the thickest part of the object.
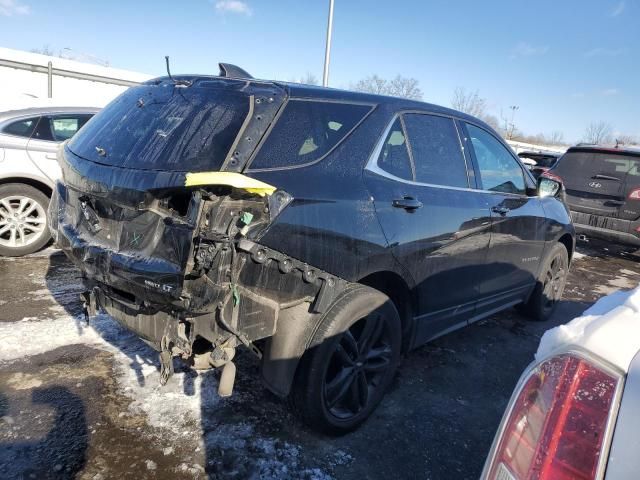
(557, 425)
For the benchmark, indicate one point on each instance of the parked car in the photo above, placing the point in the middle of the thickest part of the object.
(327, 231)
(29, 139)
(574, 413)
(539, 162)
(603, 191)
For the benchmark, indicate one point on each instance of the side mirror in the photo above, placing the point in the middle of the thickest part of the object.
(549, 186)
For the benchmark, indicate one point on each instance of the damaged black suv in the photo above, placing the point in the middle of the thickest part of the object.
(326, 231)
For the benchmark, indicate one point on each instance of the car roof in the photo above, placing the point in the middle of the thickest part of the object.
(33, 111)
(543, 153)
(619, 149)
(300, 90)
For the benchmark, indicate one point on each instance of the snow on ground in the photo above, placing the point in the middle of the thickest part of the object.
(615, 284)
(578, 256)
(610, 328)
(178, 406)
(175, 406)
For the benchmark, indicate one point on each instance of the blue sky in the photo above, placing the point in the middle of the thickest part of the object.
(564, 63)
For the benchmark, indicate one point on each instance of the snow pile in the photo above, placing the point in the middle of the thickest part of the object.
(610, 329)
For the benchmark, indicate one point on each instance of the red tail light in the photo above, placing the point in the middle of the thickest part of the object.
(558, 423)
(635, 194)
(552, 176)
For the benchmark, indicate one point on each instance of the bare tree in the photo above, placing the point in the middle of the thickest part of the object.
(556, 138)
(405, 87)
(397, 87)
(627, 140)
(598, 133)
(309, 79)
(468, 102)
(491, 120)
(44, 50)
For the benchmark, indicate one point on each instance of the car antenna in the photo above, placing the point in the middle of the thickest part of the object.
(185, 83)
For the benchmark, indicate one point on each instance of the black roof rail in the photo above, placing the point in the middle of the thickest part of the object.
(229, 70)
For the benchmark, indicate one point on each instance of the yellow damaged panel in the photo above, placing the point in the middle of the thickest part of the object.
(231, 179)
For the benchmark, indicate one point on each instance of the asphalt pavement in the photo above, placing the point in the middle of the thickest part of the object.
(83, 401)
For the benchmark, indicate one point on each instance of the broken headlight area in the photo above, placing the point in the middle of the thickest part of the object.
(185, 269)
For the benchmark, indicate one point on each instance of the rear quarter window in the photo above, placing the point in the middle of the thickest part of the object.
(21, 128)
(306, 131)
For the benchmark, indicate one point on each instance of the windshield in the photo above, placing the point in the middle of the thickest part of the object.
(164, 127)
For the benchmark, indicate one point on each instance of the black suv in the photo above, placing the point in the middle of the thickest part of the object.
(326, 231)
(603, 191)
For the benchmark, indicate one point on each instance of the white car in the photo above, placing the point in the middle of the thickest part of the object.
(574, 413)
(29, 139)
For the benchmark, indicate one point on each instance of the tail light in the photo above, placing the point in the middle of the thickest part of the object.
(552, 176)
(558, 422)
(635, 194)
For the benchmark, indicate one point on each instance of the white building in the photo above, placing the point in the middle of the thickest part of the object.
(30, 79)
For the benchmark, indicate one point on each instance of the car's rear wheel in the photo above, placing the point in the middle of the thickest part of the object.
(550, 286)
(23, 219)
(356, 352)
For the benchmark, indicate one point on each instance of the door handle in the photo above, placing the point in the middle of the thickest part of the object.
(408, 203)
(501, 210)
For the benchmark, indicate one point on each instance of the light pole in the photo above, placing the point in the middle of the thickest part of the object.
(513, 114)
(327, 51)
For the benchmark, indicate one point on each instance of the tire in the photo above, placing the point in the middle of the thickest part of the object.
(24, 227)
(355, 352)
(550, 286)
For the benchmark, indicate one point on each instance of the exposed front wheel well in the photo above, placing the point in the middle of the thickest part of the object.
(43, 187)
(394, 287)
(567, 241)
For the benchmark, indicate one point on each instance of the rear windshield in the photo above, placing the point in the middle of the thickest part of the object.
(164, 127)
(587, 164)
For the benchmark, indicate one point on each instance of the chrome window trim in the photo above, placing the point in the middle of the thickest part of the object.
(372, 163)
(607, 438)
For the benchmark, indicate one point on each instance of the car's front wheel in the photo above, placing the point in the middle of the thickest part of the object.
(355, 354)
(23, 219)
(550, 286)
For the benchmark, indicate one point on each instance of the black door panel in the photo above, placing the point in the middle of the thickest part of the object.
(443, 245)
(518, 223)
(438, 233)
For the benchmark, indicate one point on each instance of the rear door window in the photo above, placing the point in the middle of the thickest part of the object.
(43, 130)
(306, 131)
(394, 156)
(22, 128)
(65, 126)
(436, 150)
(499, 170)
